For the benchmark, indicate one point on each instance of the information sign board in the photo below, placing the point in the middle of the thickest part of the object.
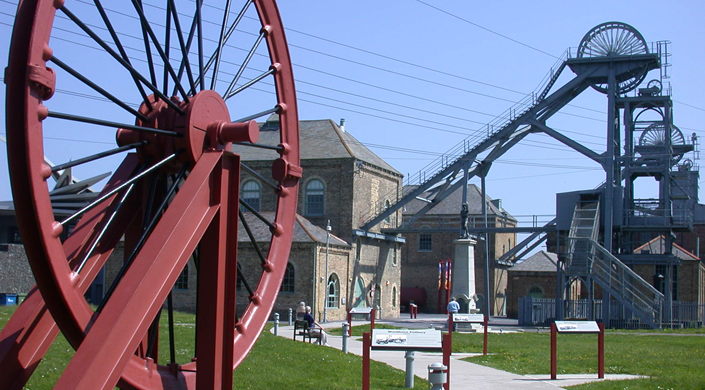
(463, 317)
(361, 310)
(407, 339)
(577, 327)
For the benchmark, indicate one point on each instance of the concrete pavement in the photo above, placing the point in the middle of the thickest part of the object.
(463, 375)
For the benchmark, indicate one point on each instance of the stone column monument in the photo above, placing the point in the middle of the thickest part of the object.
(464, 275)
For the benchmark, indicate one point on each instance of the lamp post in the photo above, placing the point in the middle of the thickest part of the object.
(325, 300)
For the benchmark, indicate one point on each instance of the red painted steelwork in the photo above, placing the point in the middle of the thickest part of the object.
(203, 211)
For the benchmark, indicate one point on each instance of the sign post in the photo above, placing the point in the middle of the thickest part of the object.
(578, 327)
(410, 340)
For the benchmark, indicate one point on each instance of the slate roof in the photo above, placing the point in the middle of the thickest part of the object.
(451, 204)
(541, 261)
(657, 247)
(319, 139)
(304, 230)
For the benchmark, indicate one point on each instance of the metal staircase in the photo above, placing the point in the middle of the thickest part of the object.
(588, 259)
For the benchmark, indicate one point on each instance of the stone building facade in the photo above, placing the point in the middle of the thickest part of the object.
(341, 178)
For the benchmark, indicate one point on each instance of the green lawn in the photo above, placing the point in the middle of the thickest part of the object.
(672, 359)
(274, 363)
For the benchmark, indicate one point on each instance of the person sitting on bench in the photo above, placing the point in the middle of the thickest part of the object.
(314, 327)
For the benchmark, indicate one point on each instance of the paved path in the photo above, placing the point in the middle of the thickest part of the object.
(463, 375)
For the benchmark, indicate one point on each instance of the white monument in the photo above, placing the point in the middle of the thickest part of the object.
(464, 274)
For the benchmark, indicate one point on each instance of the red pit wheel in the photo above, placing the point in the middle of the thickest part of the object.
(174, 194)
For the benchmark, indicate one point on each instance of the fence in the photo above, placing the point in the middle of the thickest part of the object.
(542, 312)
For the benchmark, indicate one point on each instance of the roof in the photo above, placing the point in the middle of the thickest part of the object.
(541, 261)
(451, 204)
(319, 139)
(657, 246)
(304, 230)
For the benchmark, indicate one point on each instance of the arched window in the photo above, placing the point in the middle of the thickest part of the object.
(250, 194)
(536, 292)
(359, 293)
(333, 292)
(289, 279)
(378, 296)
(394, 296)
(314, 197)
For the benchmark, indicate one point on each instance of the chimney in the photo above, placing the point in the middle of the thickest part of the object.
(342, 125)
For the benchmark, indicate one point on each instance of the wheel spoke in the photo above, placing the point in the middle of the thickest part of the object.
(167, 47)
(249, 84)
(259, 114)
(185, 47)
(146, 26)
(116, 39)
(227, 35)
(141, 241)
(118, 188)
(221, 42)
(260, 177)
(229, 92)
(199, 24)
(119, 59)
(100, 122)
(251, 236)
(147, 49)
(97, 156)
(105, 228)
(270, 147)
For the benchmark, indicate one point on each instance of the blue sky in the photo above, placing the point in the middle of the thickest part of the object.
(412, 81)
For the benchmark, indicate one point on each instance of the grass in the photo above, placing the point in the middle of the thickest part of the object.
(273, 363)
(358, 330)
(671, 359)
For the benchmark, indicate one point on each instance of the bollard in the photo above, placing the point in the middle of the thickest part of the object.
(436, 376)
(291, 313)
(409, 382)
(276, 324)
(346, 330)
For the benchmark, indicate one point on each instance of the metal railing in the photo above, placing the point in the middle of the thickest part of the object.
(626, 285)
(542, 312)
(471, 142)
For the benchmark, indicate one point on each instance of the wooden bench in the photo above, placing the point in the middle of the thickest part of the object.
(302, 329)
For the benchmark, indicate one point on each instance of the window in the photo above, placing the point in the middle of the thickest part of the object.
(314, 197)
(660, 280)
(359, 293)
(13, 235)
(378, 296)
(393, 254)
(250, 194)
(386, 207)
(536, 292)
(182, 281)
(333, 292)
(289, 278)
(425, 242)
(394, 296)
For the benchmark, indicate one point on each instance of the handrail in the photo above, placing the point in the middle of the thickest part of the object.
(469, 143)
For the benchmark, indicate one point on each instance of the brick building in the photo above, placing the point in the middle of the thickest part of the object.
(341, 178)
(433, 241)
(688, 276)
